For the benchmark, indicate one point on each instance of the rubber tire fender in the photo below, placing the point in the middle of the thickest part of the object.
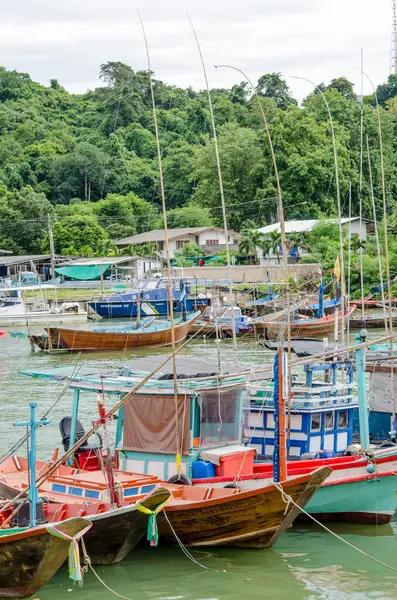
(180, 479)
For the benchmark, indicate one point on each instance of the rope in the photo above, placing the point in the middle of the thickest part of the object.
(88, 565)
(185, 550)
(152, 529)
(75, 571)
(288, 500)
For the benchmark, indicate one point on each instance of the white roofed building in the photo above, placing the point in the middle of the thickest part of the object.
(362, 229)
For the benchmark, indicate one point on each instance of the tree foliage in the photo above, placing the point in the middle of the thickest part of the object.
(94, 155)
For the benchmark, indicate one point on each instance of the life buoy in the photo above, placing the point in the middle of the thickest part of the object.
(180, 479)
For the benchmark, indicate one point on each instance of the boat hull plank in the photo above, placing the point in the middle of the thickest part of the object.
(30, 558)
(254, 519)
(79, 339)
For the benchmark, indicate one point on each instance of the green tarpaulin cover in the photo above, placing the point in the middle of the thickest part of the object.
(85, 273)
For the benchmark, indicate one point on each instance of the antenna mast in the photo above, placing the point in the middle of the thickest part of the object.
(393, 46)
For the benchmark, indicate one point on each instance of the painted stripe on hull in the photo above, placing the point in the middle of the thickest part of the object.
(376, 496)
(117, 309)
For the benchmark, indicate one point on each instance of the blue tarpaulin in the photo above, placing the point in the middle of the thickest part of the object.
(84, 273)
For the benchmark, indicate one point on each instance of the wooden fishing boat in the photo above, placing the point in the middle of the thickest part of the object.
(42, 340)
(353, 492)
(115, 531)
(155, 335)
(220, 323)
(29, 557)
(300, 328)
(235, 517)
(370, 321)
(203, 516)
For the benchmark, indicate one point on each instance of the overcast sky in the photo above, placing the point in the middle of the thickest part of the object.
(316, 39)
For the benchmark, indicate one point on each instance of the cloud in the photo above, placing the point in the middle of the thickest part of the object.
(316, 39)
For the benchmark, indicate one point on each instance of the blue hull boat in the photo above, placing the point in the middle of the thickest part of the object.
(113, 309)
(152, 296)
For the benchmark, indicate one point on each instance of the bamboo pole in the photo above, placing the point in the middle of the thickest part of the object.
(282, 230)
(338, 202)
(221, 189)
(167, 248)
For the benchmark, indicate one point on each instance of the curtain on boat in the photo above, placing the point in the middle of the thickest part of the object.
(150, 424)
(220, 419)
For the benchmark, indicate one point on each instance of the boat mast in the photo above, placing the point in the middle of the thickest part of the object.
(221, 190)
(32, 491)
(283, 235)
(371, 185)
(361, 183)
(386, 242)
(167, 249)
(349, 262)
(338, 203)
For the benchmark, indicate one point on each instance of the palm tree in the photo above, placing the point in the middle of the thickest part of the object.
(265, 246)
(356, 243)
(250, 241)
(275, 243)
(299, 240)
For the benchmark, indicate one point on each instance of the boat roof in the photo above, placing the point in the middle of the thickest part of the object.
(185, 365)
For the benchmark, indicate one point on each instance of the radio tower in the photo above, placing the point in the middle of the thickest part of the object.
(393, 48)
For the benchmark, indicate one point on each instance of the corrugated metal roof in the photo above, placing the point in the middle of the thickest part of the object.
(305, 225)
(105, 260)
(16, 260)
(158, 235)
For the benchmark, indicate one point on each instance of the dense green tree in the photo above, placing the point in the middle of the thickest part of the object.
(78, 235)
(344, 87)
(273, 85)
(94, 155)
(190, 215)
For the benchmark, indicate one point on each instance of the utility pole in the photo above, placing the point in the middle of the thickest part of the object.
(393, 46)
(51, 237)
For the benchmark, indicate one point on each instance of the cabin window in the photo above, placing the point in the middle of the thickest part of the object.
(75, 491)
(151, 284)
(329, 420)
(91, 494)
(315, 424)
(342, 419)
(220, 418)
(131, 492)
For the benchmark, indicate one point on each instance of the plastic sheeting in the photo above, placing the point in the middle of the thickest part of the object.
(83, 273)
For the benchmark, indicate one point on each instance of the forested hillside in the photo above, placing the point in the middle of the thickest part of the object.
(90, 161)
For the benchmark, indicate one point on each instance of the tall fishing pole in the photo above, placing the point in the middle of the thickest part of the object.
(371, 185)
(221, 190)
(386, 239)
(338, 202)
(167, 249)
(282, 231)
(361, 184)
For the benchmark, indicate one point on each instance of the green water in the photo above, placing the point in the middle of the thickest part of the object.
(306, 563)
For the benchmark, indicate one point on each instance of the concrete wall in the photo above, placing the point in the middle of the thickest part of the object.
(248, 274)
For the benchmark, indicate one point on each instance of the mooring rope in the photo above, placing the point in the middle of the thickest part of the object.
(88, 565)
(288, 500)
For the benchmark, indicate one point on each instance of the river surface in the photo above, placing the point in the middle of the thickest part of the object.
(306, 563)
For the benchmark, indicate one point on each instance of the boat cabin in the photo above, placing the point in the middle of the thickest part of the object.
(151, 433)
(322, 410)
(151, 288)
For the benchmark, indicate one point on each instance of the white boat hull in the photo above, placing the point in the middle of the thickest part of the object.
(42, 318)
